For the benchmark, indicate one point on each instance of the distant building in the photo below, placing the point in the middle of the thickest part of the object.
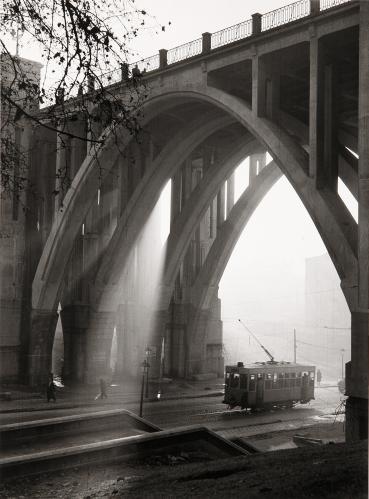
(326, 337)
(325, 304)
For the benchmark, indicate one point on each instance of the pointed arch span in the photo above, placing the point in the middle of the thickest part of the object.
(331, 218)
(230, 231)
(143, 201)
(207, 282)
(77, 202)
(194, 210)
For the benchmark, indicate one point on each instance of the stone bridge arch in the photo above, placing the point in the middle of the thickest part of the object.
(335, 225)
(330, 216)
(325, 209)
(205, 288)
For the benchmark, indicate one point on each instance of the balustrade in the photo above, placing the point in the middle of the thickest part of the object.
(111, 77)
(149, 64)
(231, 34)
(327, 4)
(185, 51)
(245, 29)
(285, 15)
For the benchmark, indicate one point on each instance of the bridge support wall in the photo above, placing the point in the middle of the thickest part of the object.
(99, 342)
(75, 320)
(41, 345)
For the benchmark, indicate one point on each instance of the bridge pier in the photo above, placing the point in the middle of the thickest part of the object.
(357, 369)
(75, 320)
(127, 345)
(98, 350)
(43, 324)
(357, 379)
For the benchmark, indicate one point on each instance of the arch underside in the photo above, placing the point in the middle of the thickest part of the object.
(323, 207)
(218, 113)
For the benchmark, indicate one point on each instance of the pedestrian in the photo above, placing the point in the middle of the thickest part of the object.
(103, 390)
(319, 377)
(50, 391)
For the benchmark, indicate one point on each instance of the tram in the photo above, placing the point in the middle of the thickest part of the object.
(264, 385)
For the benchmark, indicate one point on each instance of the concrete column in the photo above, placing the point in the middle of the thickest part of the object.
(75, 320)
(196, 356)
(220, 206)
(43, 324)
(323, 162)
(265, 87)
(186, 181)
(357, 369)
(175, 206)
(272, 92)
(205, 338)
(262, 161)
(173, 323)
(330, 157)
(258, 90)
(230, 193)
(253, 167)
(127, 342)
(363, 164)
(315, 108)
(99, 338)
(357, 379)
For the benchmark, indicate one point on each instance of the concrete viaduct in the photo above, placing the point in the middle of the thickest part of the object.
(293, 83)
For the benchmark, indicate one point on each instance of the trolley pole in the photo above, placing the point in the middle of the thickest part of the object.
(294, 346)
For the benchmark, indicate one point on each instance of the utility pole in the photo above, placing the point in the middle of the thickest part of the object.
(342, 363)
(294, 346)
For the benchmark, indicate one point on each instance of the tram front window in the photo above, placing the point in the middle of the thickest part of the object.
(235, 380)
(252, 383)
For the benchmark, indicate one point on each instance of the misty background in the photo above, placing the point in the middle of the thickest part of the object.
(279, 277)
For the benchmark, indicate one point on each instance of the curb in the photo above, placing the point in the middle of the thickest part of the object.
(93, 404)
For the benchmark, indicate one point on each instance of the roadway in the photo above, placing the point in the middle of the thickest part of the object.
(206, 410)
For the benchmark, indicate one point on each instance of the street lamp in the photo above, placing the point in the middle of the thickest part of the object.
(144, 370)
(147, 352)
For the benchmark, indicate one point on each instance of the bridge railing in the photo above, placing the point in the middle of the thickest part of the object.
(231, 34)
(285, 15)
(148, 64)
(327, 4)
(184, 51)
(258, 24)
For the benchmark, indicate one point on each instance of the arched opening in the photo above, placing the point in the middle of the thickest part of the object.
(57, 361)
(114, 352)
(137, 292)
(280, 279)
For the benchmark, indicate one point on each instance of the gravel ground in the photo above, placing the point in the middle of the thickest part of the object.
(336, 471)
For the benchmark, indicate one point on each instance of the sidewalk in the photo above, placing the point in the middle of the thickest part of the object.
(128, 393)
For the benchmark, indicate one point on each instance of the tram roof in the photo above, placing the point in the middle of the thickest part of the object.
(270, 365)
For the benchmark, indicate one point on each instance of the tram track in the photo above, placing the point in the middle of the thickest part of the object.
(170, 414)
